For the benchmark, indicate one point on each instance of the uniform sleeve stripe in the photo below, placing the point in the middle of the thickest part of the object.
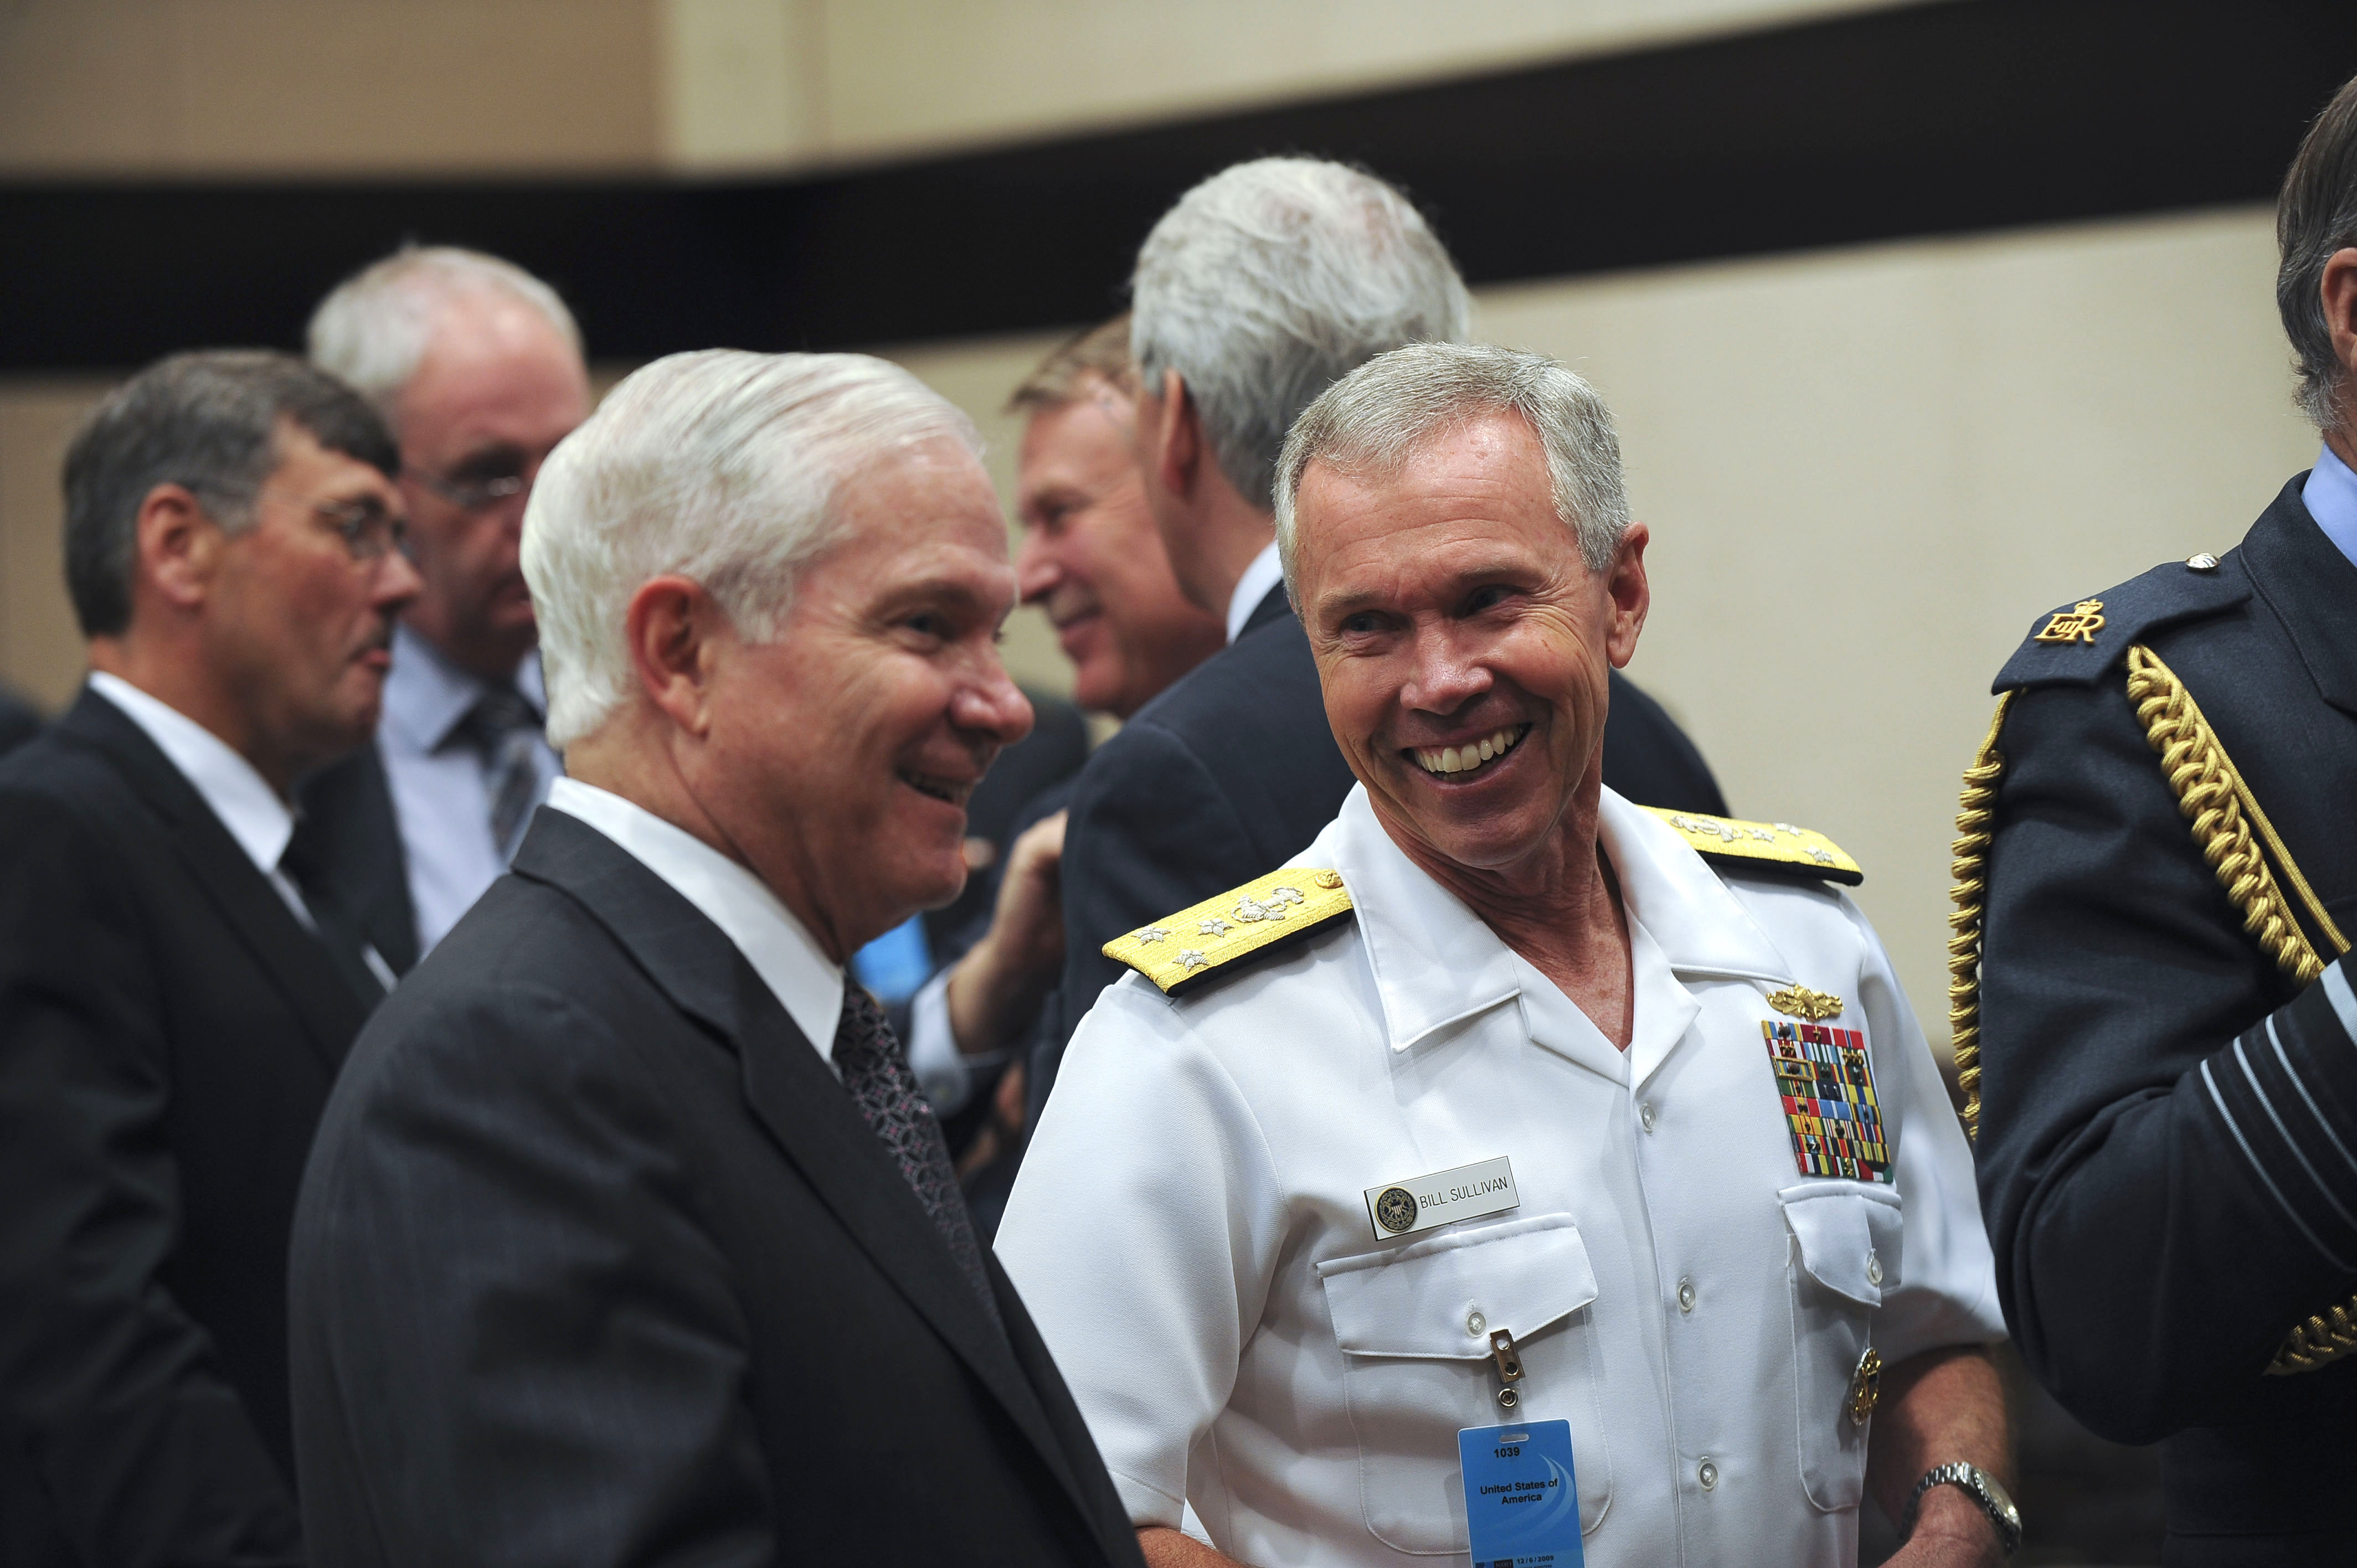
(2285, 1133)
(2261, 1171)
(2344, 1000)
(2313, 1109)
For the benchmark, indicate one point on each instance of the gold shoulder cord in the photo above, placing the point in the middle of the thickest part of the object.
(2217, 803)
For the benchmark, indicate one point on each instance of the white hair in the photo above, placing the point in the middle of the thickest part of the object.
(1369, 424)
(1270, 280)
(720, 466)
(372, 330)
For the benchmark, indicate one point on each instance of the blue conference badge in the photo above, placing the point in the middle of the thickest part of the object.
(1522, 1497)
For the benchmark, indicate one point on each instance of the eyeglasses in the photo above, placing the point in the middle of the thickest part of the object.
(473, 495)
(369, 532)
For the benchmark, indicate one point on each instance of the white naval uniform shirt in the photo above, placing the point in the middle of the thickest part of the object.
(1191, 1234)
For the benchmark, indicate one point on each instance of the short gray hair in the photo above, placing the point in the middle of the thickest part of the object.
(375, 326)
(207, 422)
(1272, 279)
(2315, 214)
(721, 466)
(1369, 424)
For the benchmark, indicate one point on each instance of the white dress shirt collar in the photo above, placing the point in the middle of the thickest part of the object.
(255, 817)
(1265, 571)
(797, 970)
(1436, 961)
(2330, 496)
(426, 696)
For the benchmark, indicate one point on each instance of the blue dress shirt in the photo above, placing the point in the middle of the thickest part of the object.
(440, 781)
(2331, 495)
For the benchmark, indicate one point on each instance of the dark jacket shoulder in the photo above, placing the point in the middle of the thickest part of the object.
(2076, 643)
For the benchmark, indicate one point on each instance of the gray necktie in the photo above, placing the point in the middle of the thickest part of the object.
(502, 727)
(876, 1073)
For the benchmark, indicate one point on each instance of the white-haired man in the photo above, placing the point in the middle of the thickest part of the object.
(1264, 285)
(627, 1237)
(1503, 1174)
(476, 365)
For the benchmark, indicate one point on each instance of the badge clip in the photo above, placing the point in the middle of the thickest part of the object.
(1510, 1368)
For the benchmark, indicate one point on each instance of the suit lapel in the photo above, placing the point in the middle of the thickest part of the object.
(2311, 586)
(797, 1100)
(292, 957)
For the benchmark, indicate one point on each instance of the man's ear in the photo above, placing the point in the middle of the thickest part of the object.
(2339, 300)
(1178, 436)
(676, 632)
(1632, 595)
(176, 546)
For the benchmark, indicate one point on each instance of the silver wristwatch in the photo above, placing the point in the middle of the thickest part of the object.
(1981, 1486)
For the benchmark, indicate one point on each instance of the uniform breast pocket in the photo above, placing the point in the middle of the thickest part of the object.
(1414, 1326)
(1843, 1247)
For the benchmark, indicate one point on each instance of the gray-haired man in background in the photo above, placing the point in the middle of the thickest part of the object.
(476, 365)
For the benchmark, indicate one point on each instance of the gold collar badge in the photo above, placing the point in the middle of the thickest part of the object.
(2079, 623)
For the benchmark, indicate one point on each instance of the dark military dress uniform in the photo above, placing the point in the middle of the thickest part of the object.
(2167, 1140)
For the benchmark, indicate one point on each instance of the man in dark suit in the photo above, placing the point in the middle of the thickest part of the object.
(2167, 1028)
(627, 1237)
(1263, 285)
(174, 1004)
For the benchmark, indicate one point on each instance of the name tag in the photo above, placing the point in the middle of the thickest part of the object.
(1521, 1495)
(1420, 1203)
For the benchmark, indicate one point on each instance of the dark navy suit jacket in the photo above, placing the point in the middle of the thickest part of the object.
(597, 1263)
(168, 1031)
(2167, 1121)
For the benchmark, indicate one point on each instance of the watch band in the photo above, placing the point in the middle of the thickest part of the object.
(1981, 1487)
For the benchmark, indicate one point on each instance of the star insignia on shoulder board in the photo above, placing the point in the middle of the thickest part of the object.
(1263, 915)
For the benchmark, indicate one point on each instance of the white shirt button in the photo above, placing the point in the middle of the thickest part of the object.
(1708, 1474)
(1645, 1114)
(1873, 1268)
(1476, 1324)
(1686, 1293)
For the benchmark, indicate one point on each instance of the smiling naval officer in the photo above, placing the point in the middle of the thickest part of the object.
(1514, 1146)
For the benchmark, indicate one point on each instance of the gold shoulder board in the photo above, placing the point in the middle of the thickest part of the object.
(1183, 950)
(1776, 847)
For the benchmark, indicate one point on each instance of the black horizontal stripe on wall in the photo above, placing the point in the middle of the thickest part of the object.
(1917, 120)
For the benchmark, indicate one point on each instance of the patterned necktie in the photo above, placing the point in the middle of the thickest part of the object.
(878, 1075)
(502, 727)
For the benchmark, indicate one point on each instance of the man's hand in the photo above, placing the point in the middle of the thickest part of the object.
(1940, 1406)
(996, 987)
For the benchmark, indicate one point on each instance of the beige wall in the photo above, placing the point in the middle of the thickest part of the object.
(345, 87)
(775, 83)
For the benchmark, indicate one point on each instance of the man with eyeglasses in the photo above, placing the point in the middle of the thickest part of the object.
(476, 366)
(177, 989)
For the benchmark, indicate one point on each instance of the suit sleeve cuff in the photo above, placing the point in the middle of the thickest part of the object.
(2286, 1092)
(1147, 1506)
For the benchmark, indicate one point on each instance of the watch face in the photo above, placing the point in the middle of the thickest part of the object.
(1999, 1495)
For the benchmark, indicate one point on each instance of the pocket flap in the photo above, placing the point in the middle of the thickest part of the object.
(1419, 1300)
(1849, 1234)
